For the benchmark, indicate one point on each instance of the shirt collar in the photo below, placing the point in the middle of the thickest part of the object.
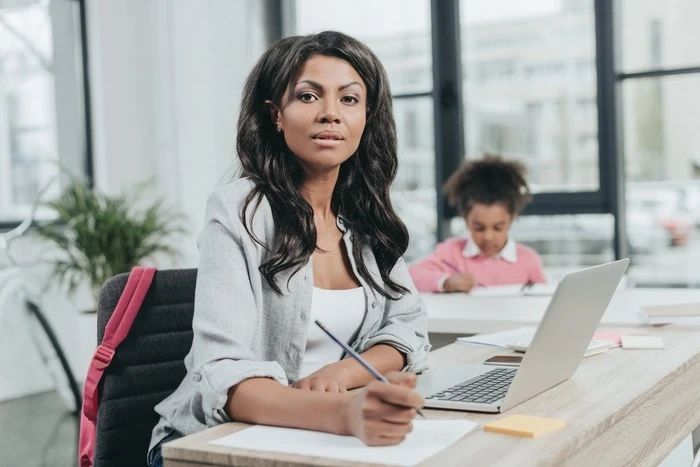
(508, 253)
(342, 223)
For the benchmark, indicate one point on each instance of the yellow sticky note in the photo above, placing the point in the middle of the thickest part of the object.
(525, 425)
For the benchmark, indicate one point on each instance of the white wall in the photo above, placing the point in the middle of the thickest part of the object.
(166, 79)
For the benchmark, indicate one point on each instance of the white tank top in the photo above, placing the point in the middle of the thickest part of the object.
(342, 312)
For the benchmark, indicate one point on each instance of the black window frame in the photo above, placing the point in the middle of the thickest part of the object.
(607, 199)
(448, 117)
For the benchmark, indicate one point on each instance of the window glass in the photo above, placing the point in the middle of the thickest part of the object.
(529, 86)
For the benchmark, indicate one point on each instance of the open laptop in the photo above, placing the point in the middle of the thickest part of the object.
(567, 327)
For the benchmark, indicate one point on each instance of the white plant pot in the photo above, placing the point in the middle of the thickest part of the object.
(87, 342)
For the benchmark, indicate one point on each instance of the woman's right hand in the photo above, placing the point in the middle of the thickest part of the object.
(464, 282)
(382, 414)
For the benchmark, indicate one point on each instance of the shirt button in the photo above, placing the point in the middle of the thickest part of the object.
(426, 347)
(374, 304)
(197, 377)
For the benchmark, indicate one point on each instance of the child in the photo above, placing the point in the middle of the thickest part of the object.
(488, 194)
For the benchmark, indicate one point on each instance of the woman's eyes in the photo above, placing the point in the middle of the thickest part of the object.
(310, 97)
(307, 97)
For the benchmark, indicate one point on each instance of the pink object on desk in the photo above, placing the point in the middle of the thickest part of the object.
(614, 336)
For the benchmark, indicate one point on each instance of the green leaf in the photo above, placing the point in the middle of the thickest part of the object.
(100, 236)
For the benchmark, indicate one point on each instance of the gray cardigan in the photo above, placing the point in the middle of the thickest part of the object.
(244, 329)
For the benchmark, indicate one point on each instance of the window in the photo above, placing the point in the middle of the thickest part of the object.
(527, 66)
(660, 106)
(33, 92)
(398, 31)
(662, 157)
(657, 34)
(531, 87)
(414, 192)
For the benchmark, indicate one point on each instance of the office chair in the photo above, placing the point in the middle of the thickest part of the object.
(147, 367)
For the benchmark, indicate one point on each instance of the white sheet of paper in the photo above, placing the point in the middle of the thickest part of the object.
(500, 339)
(676, 313)
(540, 290)
(427, 438)
(642, 342)
(516, 290)
(497, 291)
(692, 320)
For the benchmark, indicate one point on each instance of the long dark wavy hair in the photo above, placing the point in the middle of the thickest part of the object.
(361, 194)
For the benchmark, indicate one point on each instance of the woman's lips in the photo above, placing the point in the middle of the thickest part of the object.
(328, 138)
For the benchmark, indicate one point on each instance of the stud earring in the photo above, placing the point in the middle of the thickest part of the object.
(278, 128)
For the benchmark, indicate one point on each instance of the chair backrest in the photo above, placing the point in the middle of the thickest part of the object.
(147, 367)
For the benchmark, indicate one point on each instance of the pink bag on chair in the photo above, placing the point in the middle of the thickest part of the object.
(115, 332)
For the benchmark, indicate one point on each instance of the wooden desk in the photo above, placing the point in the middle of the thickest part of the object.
(460, 314)
(623, 407)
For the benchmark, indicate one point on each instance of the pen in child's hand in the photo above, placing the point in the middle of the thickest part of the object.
(527, 285)
(457, 270)
(451, 266)
(357, 357)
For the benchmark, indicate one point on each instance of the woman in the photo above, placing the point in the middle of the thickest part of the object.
(308, 232)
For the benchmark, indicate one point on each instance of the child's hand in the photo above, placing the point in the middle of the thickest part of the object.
(460, 283)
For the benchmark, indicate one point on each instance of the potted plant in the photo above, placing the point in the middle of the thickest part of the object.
(99, 236)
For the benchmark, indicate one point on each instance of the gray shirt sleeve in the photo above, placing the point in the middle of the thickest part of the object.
(405, 323)
(226, 313)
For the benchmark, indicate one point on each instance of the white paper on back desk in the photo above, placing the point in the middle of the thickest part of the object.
(496, 291)
(681, 313)
(427, 438)
(500, 339)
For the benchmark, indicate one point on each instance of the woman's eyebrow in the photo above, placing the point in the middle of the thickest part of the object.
(319, 86)
(351, 83)
(313, 84)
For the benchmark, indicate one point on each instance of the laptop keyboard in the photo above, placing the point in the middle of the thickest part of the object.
(483, 389)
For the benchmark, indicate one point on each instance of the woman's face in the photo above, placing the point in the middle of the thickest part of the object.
(323, 113)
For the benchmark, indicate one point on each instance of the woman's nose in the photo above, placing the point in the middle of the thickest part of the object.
(329, 113)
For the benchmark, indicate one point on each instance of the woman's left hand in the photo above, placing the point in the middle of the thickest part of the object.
(327, 379)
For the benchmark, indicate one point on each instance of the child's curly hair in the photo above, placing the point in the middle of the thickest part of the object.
(489, 181)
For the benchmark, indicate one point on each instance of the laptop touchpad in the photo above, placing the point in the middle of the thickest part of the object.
(439, 378)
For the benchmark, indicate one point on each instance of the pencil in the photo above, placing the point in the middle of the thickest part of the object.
(451, 266)
(357, 357)
(457, 270)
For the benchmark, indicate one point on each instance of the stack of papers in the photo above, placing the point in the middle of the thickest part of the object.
(519, 339)
(513, 291)
(500, 339)
(684, 313)
(427, 439)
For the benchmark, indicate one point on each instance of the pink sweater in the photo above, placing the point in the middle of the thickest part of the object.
(428, 273)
